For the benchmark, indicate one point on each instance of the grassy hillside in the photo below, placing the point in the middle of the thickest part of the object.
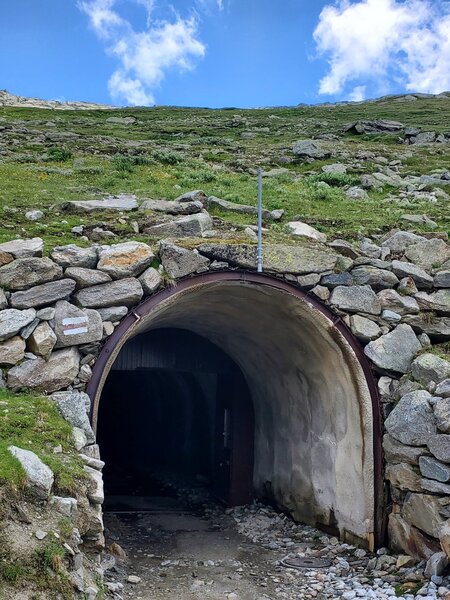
(48, 157)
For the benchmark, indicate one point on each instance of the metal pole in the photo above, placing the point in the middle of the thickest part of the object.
(259, 251)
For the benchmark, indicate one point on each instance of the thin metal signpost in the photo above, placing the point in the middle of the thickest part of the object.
(259, 255)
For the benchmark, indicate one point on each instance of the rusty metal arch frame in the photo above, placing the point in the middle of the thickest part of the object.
(122, 333)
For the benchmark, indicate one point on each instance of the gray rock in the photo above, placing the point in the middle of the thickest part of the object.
(307, 281)
(412, 421)
(115, 204)
(172, 207)
(420, 220)
(407, 287)
(356, 299)
(45, 314)
(192, 196)
(425, 137)
(395, 452)
(442, 414)
(369, 249)
(357, 193)
(95, 490)
(74, 256)
(128, 259)
(364, 329)
(442, 279)
(378, 279)
(121, 120)
(429, 367)
(436, 328)
(443, 389)
(125, 292)
(13, 320)
(338, 168)
(34, 215)
(86, 277)
(65, 506)
(300, 229)
(12, 351)
(438, 302)
(422, 511)
(400, 240)
(74, 326)
(189, 226)
(404, 477)
(40, 295)
(309, 149)
(394, 351)
(180, 262)
(47, 376)
(428, 254)
(436, 564)
(419, 276)
(114, 313)
(39, 477)
(435, 487)
(333, 280)
(26, 272)
(234, 207)
(433, 469)
(403, 536)
(23, 248)
(42, 341)
(3, 300)
(321, 292)
(344, 248)
(72, 406)
(278, 258)
(151, 280)
(403, 305)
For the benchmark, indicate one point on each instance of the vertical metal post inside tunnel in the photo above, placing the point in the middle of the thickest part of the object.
(130, 326)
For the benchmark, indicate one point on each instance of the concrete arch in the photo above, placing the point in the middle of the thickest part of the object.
(317, 422)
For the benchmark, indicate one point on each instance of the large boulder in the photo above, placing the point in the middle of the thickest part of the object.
(151, 280)
(26, 272)
(72, 406)
(128, 259)
(124, 292)
(12, 351)
(46, 376)
(442, 279)
(300, 229)
(364, 329)
(439, 446)
(245, 209)
(423, 512)
(42, 295)
(277, 258)
(180, 262)
(74, 326)
(403, 536)
(394, 351)
(74, 256)
(42, 341)
(438, 328)
(400, 240)
(86, 277)
(23, 248)
(404, 477)
(402, 305)
(113, 203)
(429, 253)
(12, 321)
(39, 477)
(443, 389)
(429, 367)
(189, 226)
(395, 452)
(95, 489)
(442, 414)
(173, 207)
(310, 149)
(412, 422)
(439, 302)
(378, 279)
(420, 277)
(356, 299)
(433, 469)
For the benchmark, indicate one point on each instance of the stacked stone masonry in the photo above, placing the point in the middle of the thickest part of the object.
(393, 293)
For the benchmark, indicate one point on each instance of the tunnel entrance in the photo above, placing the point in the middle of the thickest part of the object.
(316, 427)
(185, 415)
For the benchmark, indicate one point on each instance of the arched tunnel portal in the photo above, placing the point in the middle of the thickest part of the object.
(256, 384)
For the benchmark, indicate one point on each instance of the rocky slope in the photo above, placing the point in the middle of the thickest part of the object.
(8, 99)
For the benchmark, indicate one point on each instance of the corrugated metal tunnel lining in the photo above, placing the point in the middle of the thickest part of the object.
(315, 416)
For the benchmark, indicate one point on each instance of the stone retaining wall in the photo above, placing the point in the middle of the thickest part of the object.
(57, 311)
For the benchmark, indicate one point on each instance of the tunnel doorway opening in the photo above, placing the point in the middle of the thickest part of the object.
(175, 410)
(317, 427)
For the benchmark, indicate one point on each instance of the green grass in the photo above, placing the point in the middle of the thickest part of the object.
(34, 423)
(171, 150)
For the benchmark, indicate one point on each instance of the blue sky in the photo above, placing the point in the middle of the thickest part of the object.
(223, 52)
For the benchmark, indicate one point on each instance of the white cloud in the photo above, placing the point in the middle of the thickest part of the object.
(385, 42)
(358, 93)
(144, 56)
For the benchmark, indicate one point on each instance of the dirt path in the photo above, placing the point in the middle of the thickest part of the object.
(179, 555)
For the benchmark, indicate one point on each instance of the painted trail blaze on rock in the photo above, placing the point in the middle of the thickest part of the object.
(74, 326)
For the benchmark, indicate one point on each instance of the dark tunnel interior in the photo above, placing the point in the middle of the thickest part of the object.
(176, 408)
